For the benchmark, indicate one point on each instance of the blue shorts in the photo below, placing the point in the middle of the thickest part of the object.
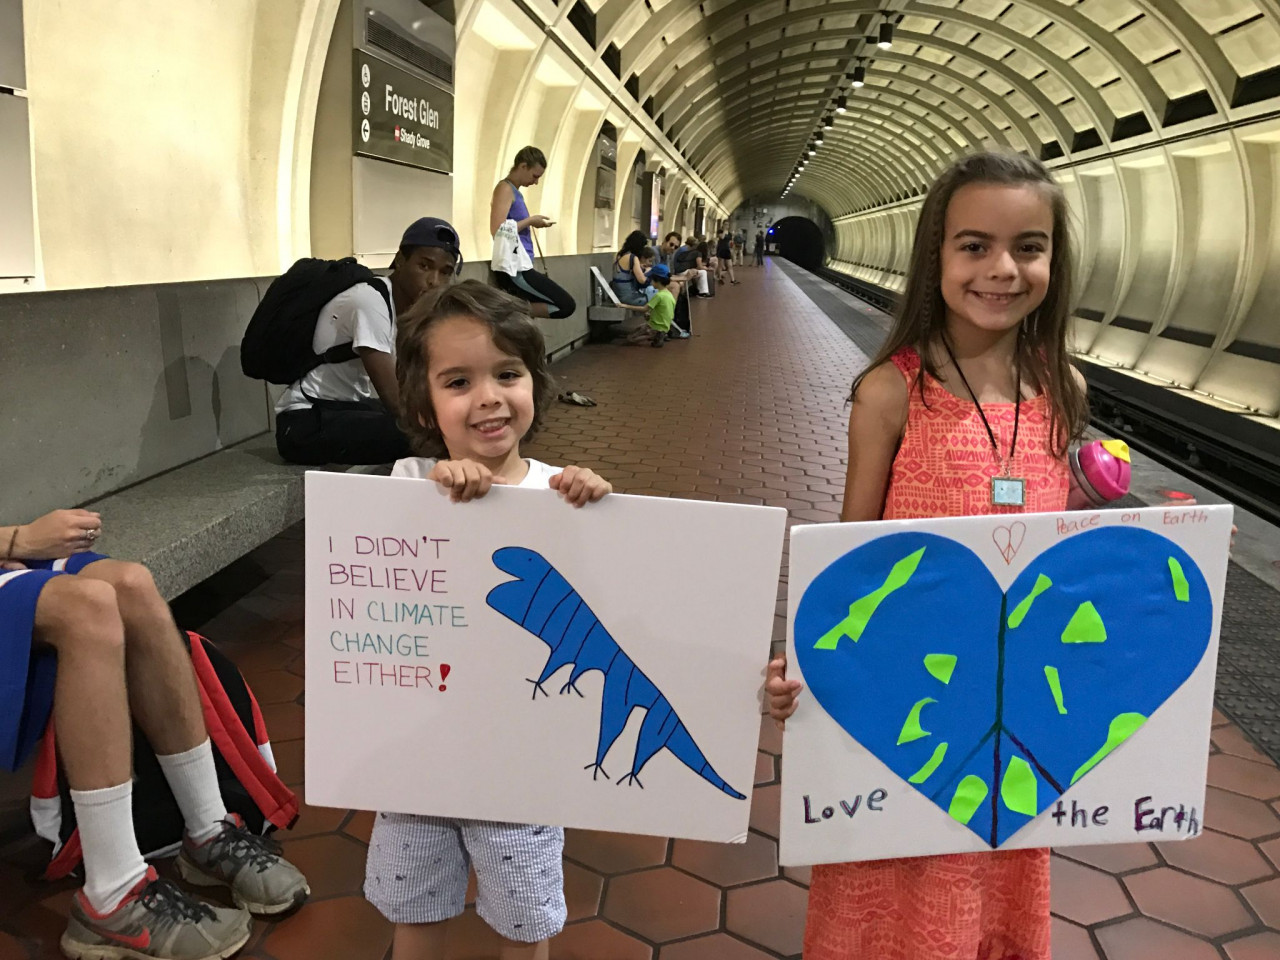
(418, 867)
(27, 672)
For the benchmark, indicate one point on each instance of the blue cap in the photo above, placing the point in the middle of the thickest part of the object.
(433, 232)
(660, 272)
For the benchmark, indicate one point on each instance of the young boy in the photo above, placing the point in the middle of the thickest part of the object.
(662, 310)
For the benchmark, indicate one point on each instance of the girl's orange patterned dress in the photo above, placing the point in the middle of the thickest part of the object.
(983, 906)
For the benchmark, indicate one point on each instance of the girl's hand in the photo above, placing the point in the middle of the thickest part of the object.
(1191, 502)
(578, 485)
(781, 692)
(538, 220)
(464, 479)
(58, 534)
(8, 565)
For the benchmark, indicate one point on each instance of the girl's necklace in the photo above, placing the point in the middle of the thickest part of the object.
(1006, 490)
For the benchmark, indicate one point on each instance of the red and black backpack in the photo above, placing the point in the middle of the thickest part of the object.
(241, 754)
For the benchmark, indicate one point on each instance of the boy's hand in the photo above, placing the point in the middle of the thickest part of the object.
(464, 479)
(578, 485)
(781, 692)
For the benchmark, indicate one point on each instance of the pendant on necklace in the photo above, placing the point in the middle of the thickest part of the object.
(1008, 492)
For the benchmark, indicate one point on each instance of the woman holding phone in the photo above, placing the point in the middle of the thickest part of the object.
(546, 298)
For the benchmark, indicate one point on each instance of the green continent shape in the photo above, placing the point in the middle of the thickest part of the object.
(932, 764)
(1020, 612)
(860, 610)
(1122, 728)
(911, 729)
(1181, 589)
(967, 798)
(940, 665)
(1086, 626)
(1018, 787)
(1055, 687)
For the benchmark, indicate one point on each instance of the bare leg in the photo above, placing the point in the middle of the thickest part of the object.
(90, 705)
(162, 683)
(419, 941)
(524, 951)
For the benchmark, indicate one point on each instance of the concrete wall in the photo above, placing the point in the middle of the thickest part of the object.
(112, 386)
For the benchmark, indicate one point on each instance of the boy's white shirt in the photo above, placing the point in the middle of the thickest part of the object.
(537, 477)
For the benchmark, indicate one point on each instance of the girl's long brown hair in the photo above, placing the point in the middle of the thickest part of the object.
(921, 315)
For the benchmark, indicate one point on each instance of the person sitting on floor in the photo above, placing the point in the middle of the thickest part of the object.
(346, 412)
(91, 641)
(662, 311)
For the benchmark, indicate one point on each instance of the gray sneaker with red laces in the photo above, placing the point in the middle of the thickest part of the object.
(155, 921)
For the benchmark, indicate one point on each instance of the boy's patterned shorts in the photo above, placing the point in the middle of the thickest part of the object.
(418, 867)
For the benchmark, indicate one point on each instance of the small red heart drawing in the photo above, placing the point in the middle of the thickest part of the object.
(1009, 539)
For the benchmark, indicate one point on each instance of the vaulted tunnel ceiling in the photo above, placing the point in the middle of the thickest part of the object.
(742, 86)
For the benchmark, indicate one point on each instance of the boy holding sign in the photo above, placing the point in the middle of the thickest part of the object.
(473, 383)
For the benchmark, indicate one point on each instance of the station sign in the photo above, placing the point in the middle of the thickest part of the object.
(401, 117)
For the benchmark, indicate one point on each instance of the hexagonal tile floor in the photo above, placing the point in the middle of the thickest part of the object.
(751, 411)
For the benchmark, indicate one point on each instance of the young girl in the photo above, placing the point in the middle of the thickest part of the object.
(973, 387)
(473, 383)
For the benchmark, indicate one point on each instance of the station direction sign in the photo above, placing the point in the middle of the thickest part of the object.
(401, 117)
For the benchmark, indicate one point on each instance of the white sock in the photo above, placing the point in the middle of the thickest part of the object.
(113, 865)
(194, 781)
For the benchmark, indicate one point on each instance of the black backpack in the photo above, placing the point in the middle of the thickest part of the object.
(277, 344)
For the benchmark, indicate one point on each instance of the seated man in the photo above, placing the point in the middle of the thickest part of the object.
(346, 412)
(662, 311)
(689, 265)
(91, 641)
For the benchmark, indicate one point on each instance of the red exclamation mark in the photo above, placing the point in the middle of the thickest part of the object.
(444, 675)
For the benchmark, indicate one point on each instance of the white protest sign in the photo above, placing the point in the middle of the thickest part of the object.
(1000, 682)
(516, 659)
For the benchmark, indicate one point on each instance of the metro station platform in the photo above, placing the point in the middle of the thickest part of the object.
(750, 410)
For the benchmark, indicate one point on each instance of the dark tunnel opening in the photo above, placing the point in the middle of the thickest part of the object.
(800, 241)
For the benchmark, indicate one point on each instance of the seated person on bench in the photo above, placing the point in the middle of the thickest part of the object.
(346, 412)
(630, 268)
(91, 641)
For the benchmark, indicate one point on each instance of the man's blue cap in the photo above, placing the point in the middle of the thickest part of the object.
(433, 232)
(660, 272)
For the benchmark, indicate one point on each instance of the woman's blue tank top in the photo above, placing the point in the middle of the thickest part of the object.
(520, 212)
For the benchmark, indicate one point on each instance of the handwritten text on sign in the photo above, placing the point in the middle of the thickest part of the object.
(390, 638)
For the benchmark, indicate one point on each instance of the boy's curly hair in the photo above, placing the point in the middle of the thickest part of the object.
(513, 332)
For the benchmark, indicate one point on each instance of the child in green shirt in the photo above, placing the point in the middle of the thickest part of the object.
(662, 310)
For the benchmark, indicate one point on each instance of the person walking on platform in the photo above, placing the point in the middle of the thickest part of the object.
(739, 247)
(759, 248)
(724, 259)
(545, 297)
(90, 641)
(345, 412)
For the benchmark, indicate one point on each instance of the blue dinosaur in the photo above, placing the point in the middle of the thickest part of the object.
(545, 604)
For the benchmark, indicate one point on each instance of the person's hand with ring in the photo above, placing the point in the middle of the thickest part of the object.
(57, 534)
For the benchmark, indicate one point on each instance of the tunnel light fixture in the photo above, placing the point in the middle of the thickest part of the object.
(817, 137)
(859, 76)
(813, 149)
(842, 104)
(828, 122)
(886, 35)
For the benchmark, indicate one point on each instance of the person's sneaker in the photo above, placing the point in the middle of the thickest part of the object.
(155, 920)
(259, 878)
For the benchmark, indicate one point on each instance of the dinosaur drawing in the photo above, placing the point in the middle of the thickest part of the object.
(547, 605)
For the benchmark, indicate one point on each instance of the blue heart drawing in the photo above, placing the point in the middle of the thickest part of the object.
(993, 703)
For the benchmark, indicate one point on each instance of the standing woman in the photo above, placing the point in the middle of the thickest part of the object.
(546, 297)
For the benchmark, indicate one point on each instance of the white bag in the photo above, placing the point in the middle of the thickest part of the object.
(509, 255)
